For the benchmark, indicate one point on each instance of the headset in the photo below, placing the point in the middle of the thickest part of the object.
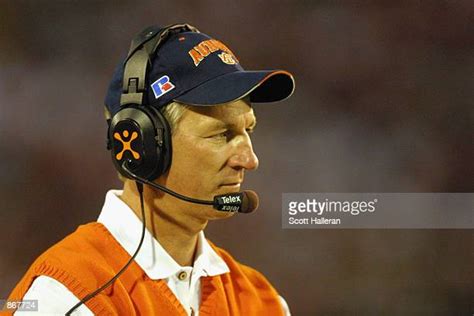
(137, 122)
(149, 130)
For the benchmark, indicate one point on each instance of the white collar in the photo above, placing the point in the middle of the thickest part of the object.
(126, 227)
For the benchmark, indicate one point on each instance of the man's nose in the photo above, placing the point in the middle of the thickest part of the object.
(244, 156)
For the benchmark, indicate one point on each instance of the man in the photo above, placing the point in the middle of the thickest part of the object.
(195, 85)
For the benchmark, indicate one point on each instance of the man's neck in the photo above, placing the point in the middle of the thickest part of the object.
(173, 228)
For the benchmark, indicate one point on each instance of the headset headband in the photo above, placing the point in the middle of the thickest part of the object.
(142, 48)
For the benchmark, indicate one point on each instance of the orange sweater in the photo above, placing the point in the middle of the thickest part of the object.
(90, 256)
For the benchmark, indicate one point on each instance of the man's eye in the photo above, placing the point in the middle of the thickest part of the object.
(220, 136)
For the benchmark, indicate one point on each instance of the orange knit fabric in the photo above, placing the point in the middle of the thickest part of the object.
(90, 256)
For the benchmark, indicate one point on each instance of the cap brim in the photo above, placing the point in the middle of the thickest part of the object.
(261, 86)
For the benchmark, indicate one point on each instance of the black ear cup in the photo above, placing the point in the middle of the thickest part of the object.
(142, 136)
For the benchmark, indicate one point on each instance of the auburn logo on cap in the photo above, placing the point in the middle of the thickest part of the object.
(126, 144)
(199, 52)
(227, 58)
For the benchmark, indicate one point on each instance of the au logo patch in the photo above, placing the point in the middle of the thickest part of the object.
(162, 86)
(227, 58)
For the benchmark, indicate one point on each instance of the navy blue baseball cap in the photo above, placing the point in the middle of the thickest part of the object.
(195, 69)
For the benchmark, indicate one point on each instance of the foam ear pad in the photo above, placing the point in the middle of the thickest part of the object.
(141, 135)
(163, 140)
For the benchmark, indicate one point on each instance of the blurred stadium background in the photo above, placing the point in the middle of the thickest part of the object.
(384, 103)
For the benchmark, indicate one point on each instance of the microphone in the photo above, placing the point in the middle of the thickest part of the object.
(243, 202)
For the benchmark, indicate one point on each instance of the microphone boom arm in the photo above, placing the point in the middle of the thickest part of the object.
(162, 188)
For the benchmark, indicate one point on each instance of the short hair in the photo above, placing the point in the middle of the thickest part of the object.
(173, 112)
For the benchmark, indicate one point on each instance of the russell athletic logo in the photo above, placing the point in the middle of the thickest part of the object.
(162, 86)
(126, 144)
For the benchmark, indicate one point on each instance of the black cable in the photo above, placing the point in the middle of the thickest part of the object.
(91, 295)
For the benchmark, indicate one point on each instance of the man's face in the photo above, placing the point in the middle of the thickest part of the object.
(212, 150)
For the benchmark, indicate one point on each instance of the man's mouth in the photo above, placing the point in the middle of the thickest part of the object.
(231, 185)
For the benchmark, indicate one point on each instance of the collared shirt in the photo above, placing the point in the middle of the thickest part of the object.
(54, 298)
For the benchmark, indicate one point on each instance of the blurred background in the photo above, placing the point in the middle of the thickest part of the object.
(384, 103)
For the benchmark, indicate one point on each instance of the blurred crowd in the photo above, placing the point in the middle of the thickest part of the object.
(383, 103)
